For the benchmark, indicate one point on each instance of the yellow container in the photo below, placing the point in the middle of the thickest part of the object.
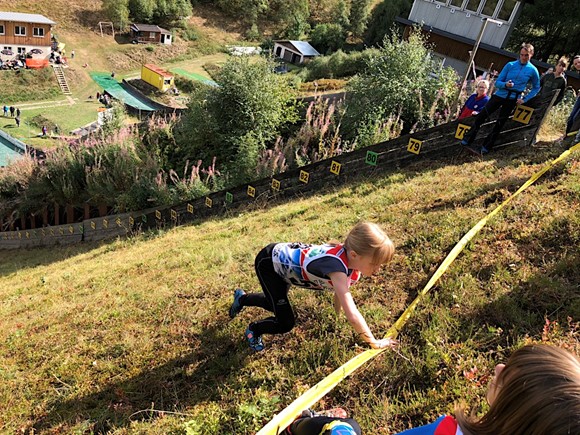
(158, 77)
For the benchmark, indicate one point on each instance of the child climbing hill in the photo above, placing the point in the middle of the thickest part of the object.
(330, 266)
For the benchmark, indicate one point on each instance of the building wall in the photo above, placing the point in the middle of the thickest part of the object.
(29, 40)
(459, 20)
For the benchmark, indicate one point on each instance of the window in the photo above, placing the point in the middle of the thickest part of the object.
(21, 50)
(38, 31)
(472, 5)
(456, 3)
(151, 35)
(19, 30)
(489, 7)
(506, 10)
(1, 29)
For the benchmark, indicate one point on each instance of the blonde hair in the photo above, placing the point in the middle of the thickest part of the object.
(485, 82)
(367, 238)
(538, 393)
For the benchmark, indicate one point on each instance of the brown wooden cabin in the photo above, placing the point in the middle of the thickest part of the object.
(150, 34)
(22, 33)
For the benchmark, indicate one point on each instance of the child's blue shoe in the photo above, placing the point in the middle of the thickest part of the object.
(236, 307)
(254, 342)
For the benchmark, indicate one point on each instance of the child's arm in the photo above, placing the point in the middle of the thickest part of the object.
(353, 315)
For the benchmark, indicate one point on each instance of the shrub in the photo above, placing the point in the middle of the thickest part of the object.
(323, 85)
(402, 79)
(328, 37)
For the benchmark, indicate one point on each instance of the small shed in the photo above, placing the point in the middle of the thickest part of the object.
(295, 51)
(158, 77)
(150, 34)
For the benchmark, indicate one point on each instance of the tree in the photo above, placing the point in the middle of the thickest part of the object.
(359, 15)
(382, 20)
(117, 11)
(327, 38)
(142, 10)
(238, 118)
(551, 26)
(401, 79)
(170, 11)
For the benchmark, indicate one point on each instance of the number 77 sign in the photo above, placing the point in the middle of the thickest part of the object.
(523, 114)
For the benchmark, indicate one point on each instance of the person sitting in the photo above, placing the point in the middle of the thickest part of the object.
(537, 392)
(477, 101)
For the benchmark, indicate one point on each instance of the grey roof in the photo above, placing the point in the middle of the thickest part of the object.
(305, 48)
(148, 28)
(25, 18)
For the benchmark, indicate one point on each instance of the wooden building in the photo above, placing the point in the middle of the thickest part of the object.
(24, 34)
(150, 34)
(295, 51)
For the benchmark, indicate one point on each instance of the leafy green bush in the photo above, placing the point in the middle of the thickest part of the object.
(237, 119)
(328, 37)
(338, 64)
(403, 79)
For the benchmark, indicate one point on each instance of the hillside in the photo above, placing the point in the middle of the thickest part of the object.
(133, 336)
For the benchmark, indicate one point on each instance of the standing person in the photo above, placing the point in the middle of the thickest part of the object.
(477, 101)
(44, 130)
(555, 80)
(18, 112)
(5, 109)
(537, 392)
(72, 54)
(576, 109)
(17, 119)
(510, 86)
(330, 266)
(12, 109)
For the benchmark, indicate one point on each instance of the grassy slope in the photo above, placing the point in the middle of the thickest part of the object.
(77, 26)
(96, 337)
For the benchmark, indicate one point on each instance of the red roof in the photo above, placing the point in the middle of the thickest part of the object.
(158, 70)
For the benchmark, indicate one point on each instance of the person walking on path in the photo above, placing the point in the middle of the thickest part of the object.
(18, 112)
(510, 86)
(332, 266)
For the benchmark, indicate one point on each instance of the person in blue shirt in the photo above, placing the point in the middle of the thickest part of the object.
(510, 86)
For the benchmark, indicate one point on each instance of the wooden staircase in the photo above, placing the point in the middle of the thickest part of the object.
(59, 73)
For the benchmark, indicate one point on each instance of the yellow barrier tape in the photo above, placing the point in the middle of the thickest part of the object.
(308, 398)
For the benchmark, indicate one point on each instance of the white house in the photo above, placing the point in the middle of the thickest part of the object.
(295, 51)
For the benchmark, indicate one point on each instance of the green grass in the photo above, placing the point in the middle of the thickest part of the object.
(133, 336)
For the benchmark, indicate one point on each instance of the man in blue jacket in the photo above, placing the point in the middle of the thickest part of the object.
(510, 86)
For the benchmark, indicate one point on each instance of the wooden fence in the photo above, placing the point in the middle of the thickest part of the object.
(440, 142)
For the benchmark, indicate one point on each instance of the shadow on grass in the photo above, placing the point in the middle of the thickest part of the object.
(173, 386)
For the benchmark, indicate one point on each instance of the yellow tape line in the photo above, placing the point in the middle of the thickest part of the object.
(307, 399)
